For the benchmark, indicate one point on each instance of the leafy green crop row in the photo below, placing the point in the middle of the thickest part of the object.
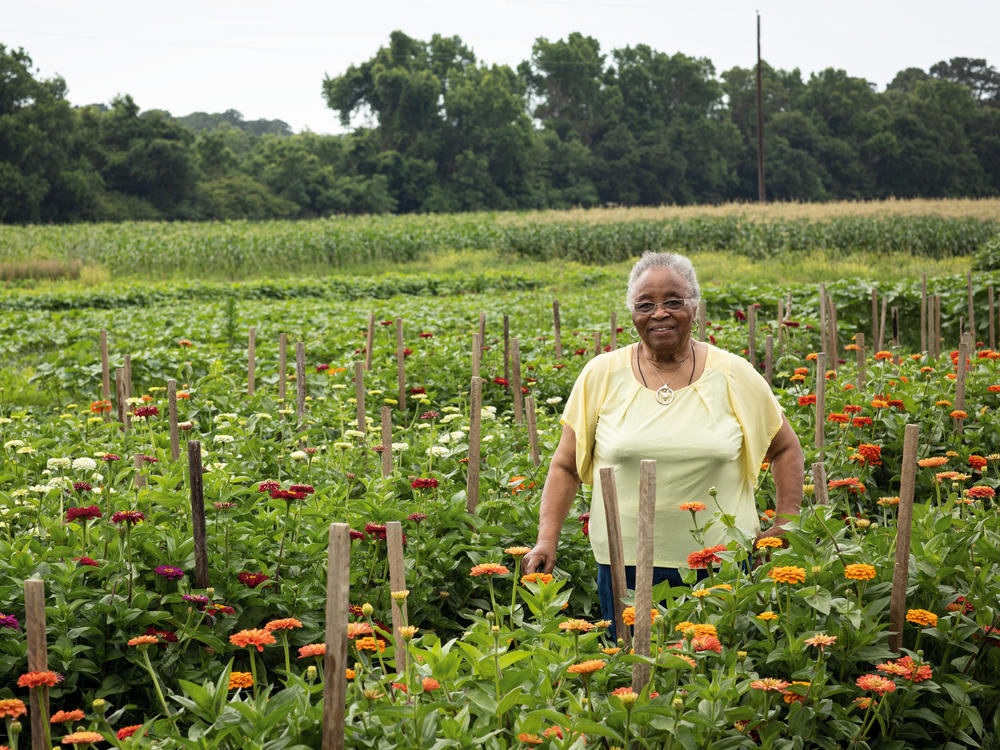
(243, 249)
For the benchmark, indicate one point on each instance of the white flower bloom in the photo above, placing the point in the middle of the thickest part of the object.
(553, 400)
(97, 477)
(286, 411)
(400, 446)
(263, 415)
(338, 386)
(95, 420)
(450, 408)
(458, 435)
(60, 482)
(25, 449)
(375, 392)
(298, 455)
(13, 444)
(185, 425)
(223, 439)
(5, 420)
(423, 425)
(450, 417)
(486, 413)
(421, 397)
(134, 401)
(20, 492)
(224, 417)
(343, 446)
(444, 437)
(42, 488)
(390, 401)
(84, 463)
(487, 438)
(353, 433)
(59, 463)
(437, 450)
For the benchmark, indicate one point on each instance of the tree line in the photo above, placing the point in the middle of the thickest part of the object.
(435, 129)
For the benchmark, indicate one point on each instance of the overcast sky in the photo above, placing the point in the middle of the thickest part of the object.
(267, 59)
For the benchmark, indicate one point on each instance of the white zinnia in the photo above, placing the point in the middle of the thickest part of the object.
(223, 439)
(84, 463)
(59, 463)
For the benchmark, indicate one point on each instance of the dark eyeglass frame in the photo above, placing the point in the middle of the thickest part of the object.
(670, 305)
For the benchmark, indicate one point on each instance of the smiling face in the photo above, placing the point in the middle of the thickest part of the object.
(663, 331)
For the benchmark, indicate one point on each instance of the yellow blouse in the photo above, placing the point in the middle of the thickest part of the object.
(714, 434)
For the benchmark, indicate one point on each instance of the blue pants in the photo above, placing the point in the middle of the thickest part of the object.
(606, 594)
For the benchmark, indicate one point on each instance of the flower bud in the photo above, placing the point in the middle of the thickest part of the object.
(311, 672)
(678, 704)
(99, 705)
(367, 609)
(495, 630)
(15, 728)
(741, 654)
(712, 492)
(399, 596)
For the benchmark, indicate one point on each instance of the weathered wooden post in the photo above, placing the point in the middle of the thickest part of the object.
(964, 353)
(824, 337)
(834, 348)
(641, 638)
(923, 314)
(702, 319)
(121, 399)
(881, 325)
(38, 659)
(904, 520)
(752, 335)
(359, 397)
(282, 365)
(769, 358)
(937, 326)
(820, 489)
(993, 336)
(529, 410)
(338, 584)
(972, 308)
(386, 441)
(875, 336)
(197, 514)
(482, 330)
(821, 404)
(300, 382)
(597, 343)
(106, 371)
(369, 342)
(558, 329)
(617, 559)
(400, 366)
(614, 331)
(477, 353)
(397, 582)
(475, 437)
(516, 381)
(895, 328)
(127, 368)
(506, 348)
(251, 355)
(175, 444)
(140, 479)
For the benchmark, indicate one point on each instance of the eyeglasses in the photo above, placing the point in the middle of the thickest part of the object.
(670, 305)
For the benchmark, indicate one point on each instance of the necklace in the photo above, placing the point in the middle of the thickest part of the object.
(665, 394)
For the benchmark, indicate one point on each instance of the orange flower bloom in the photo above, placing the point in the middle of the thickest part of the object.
(977, 462)
(586, 667)
(61, 717)
(349, 674)
(767, 615)
(255, 637)
(537, 578)
(959, 414)
(700, 629)
(240, 680)
(369, 643)
(768, 541)
(787, 574)
(770, 684)
(581, 626)
(859, 571)
(907, 669)
(530, 739)
(693, 507)
(921, 617)
(490, 569)
(610, 650)
(354, 629)
(932, 462)
(11, 708)
(313, 649)
(812, 357)
(38, 679)
(286, 624)
(980, 492)
(876, 683)
(879, 403)
(838, 417)
(821, 640)
(801, 370)
(882, 355)
(791, 697)
(429, 684)
(518, 551)
(143, 640)
(628, 615)
(82, 738)
(871, 453)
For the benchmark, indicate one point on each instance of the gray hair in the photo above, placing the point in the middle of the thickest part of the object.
(672, 262)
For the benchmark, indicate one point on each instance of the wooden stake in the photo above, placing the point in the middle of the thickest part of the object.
(769, 358)
(895, 327)
(140, 479)
(614, 332)
(558, 328)
(937, 326)
(506, 348)
(820, 490)
(282, 365)
(752, 335)
(369, 342)
(923, 314)
(175, 444)
(904, 519)
(386, 441)
(127, 367)
(881, 326)
(610, 493)
(529, 409)
(482, 330)
(475, 437)
(197, 514)
(875, 338)
(338, 585)
(251, 354)
(105, 367)
(359, 397)
(781, 311)
(834, 348)
(597, 343)
(121, 398)
(400, 366)
(397, 582)
(824, 339)
(644, 572)
(964, 352)
(38, 659)
(516, 381)
(477, 354)
(702, 319)
(859, 384)
(300, 382)
(820, 404)
(972, 309)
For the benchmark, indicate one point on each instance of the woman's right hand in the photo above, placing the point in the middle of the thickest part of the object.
(541, 559)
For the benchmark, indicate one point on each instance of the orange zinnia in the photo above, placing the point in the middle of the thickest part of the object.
(586, 667)
(537, 578)
(768, 541)
(787, 574)
(11, 708)
(60, 717)
(143, 640)
(38, 679)
(628, 615)
(921, 617)
(258, 637)
(369, 643)
(932, 462)
(82, 738)
(240, 680)
(693, 507)
(490, 569)
(313, 649)
(286, 624)
(876, 683)
(859, 571)
(581, 626)
(769, 684)
(354, 629)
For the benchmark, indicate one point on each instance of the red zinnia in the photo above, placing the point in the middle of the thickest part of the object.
(704, 557)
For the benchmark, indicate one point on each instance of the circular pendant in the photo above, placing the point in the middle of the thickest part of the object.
(664, 395)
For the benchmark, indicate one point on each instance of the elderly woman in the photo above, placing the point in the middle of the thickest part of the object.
(706, 416)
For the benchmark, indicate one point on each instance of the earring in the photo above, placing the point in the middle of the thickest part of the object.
(634, 333)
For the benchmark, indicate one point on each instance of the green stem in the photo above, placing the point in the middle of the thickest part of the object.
(156, 683)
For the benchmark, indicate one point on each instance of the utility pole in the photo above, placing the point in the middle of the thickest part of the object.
(760, 124)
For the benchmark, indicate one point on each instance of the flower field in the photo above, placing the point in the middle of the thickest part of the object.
(778, 647)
